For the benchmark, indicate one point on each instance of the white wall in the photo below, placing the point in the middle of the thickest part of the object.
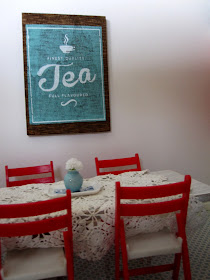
(159, 57)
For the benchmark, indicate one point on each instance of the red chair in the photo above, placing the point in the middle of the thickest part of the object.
(38, 263)
(157, 243)
(31, 171)
(133, 162)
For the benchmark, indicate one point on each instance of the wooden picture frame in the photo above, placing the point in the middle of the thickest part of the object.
(66, 74)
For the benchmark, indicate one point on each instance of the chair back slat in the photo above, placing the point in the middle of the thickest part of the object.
(33, 208)
(35, 227)
(117, 162)
(23, 171)
(152, 208)
(121, 162)
(153, 191)
(29, 171)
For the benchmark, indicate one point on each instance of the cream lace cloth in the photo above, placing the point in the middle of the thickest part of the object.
(94, 215)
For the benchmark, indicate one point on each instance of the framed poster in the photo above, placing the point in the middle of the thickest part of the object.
(66, 74)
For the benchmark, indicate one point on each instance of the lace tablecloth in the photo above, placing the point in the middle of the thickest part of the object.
(94, 215)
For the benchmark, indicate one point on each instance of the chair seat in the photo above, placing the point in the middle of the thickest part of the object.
(153, 244)
(30, 264)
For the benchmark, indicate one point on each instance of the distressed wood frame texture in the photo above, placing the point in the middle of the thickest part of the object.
(76, 127)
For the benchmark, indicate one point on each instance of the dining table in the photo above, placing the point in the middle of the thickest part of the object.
(93, 211)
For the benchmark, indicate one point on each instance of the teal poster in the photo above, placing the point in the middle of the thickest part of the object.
(65, 74)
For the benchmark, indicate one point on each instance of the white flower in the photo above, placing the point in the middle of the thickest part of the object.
(74, 164)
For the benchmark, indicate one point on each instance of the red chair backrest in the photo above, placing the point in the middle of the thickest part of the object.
(25, 171)
(120, 162)
(140, 208)
(32, 209)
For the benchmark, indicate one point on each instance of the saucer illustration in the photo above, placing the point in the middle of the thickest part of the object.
(66, 48)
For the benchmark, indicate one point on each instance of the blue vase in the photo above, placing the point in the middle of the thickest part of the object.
(73, 180)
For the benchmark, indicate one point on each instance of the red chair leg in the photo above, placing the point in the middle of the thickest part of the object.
(177, 262)
(125, 269)
(0, 262)
(117, 261)
(124, 253)
(186, 262)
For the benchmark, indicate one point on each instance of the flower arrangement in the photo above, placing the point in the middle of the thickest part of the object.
(74, 164)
